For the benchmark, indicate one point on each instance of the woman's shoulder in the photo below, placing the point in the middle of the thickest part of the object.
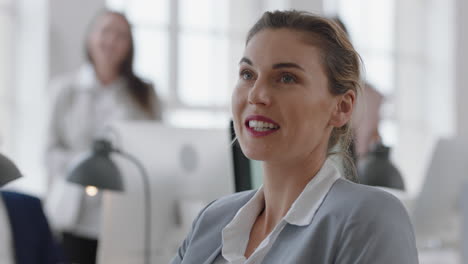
(85, 71)
(228, 204)
(369, 225)
(361, 201)
(214, 217)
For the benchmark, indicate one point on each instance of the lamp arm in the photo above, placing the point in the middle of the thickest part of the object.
(147, 202)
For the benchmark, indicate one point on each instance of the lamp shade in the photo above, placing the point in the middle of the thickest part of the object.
(97, 169)
(8, 170)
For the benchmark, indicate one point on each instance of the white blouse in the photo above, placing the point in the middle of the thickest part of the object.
(83, 107)
(236, 234)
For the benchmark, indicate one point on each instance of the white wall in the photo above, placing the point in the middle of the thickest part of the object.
(49, 41)
(425, 83)
(315, 6)
(7, 26)
(31, 73)
(69, 20)
(440, 49)
(461, 71)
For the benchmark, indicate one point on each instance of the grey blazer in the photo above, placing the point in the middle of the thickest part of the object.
(355, 224)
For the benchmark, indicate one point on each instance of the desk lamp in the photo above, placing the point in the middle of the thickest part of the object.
(8, 170)
(99, 171)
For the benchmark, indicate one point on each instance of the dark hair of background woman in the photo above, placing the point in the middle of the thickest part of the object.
(139, 90)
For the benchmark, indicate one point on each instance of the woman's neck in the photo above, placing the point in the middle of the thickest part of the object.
(105, 74)
(283, 183)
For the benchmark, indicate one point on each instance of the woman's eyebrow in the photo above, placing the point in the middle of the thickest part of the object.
(246, 60)
(287, 65)
(275, 66)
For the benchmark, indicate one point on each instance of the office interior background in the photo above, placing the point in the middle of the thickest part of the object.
(414, 52)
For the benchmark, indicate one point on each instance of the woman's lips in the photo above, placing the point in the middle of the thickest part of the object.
(260, 126)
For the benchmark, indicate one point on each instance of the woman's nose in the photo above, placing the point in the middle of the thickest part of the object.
(260, 93)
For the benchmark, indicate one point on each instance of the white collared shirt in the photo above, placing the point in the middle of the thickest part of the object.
(6, 245)
(236, 234)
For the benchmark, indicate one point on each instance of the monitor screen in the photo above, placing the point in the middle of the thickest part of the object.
(188, 168)
(256, 171)
(435, 213)
(248, 173)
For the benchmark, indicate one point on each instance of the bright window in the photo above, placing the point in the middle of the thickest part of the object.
(6, 58)
(182, 46)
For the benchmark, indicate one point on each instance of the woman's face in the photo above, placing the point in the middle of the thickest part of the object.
(109, 41)
(281, 104)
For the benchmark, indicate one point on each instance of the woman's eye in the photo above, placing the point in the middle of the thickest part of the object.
(288, 78)
(246, 75)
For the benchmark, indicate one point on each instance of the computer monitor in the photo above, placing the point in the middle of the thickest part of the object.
(247, 173)
(188, 168)
(435, 213)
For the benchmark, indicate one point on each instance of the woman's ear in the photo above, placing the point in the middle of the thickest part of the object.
(344, 109)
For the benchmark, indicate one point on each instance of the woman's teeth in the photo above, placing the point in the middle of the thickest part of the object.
(261, 126)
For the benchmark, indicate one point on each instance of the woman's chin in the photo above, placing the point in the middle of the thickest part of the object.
(255, 150)
(256, 154)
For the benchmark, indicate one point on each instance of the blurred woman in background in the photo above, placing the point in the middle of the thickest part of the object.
(371, 156)
(104, 90)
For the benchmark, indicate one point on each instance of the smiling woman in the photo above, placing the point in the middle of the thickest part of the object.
(290, 89)
(298, 82)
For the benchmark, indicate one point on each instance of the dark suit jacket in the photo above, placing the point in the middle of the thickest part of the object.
(32, 239)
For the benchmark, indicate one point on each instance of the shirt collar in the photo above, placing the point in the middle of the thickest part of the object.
(302, 211)
(304, 207)
(236, 234)
(238, 230)
(87, 80)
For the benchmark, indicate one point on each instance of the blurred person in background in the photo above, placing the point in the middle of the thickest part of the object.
(104, 90)
(366, 116)
(371, 156)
